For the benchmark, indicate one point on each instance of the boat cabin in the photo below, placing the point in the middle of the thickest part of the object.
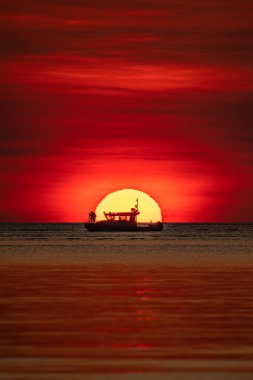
(130, 216)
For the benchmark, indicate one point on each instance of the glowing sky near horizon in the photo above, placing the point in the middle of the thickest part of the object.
(154, 95)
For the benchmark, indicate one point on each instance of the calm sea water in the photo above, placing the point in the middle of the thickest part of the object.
(176, 304)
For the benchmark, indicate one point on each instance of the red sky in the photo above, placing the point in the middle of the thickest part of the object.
(98, 96)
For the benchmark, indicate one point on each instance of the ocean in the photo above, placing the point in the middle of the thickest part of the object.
(176, 304)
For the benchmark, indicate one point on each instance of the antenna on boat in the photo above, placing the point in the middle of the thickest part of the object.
(137, 204)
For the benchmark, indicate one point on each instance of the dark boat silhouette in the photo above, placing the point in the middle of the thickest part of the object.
(121, 221)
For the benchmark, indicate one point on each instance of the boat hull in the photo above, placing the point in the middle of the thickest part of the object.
(122, 227)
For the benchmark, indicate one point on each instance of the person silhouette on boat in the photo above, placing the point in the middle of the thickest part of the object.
(92, 217)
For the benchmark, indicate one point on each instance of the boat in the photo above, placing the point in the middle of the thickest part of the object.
(120, 221)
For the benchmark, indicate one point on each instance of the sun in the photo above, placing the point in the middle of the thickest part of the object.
(124, 200)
